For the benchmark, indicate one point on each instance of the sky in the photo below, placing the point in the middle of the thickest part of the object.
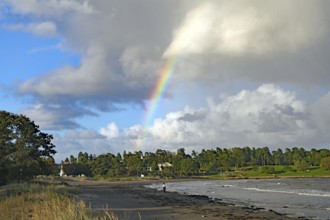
(104, 76)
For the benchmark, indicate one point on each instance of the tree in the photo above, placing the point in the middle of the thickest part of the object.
(312, 157)
(75, 169)
(298, 154)
(73, 159)
(23, 147)
(134, 163)
(187, 167)
(238, 156)
(288, 157)
(181, 153)
(301, 165)
(83, 158)
(226, 160)
(101, 165)
(208, 161)
(278, 157)
(325, 163)
(48, 166)
(116, 168)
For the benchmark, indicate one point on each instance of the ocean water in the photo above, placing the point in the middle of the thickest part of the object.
(306, 197)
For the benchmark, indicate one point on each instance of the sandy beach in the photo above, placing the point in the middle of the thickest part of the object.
(130, 200)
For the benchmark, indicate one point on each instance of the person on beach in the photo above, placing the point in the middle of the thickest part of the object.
(164, 187)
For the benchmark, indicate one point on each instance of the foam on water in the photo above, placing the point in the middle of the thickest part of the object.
(306, 193)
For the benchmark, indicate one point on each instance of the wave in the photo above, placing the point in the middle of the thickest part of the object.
(227, 186)
(314, 193)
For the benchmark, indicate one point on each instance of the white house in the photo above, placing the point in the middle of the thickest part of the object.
(161, 166)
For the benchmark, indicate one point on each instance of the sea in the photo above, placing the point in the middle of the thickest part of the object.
(298, 197)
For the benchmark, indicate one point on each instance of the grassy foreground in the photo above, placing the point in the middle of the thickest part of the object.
(39, 201)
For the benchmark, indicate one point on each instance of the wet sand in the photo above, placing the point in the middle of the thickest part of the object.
(130, 200)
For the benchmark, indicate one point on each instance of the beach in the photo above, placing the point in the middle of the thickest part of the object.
(131, 200)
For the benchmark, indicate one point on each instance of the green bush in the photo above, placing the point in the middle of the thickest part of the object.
(267, 169)
(325, 163)
(288, 168)
(301, 165)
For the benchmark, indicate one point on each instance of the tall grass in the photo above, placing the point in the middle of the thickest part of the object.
(40, 202)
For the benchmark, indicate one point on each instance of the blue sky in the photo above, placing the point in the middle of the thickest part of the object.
(251, 73)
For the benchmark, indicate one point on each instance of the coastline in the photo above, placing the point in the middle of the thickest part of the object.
(131, 200)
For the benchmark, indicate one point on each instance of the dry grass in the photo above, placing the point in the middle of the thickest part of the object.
(39, 202)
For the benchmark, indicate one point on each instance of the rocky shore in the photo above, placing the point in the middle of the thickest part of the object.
(130, 200)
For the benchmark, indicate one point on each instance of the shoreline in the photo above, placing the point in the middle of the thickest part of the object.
(132, 200)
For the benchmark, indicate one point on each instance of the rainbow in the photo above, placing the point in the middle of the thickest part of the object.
(157, 92)
(165, 75)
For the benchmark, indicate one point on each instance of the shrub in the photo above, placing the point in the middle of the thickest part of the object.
(288, 168)
(301, 165)
(325, 163)
(267, 169)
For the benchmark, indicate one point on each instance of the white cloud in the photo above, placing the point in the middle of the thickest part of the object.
(84, 134)
(88, 76)
(266, 116)
(50, 7)
(320, 113)
(56, 117)
(111, 131)
(122, 43)
(73, 142)
(46, 28)
(218, 43)
(253, 41)
(43, 29)
(247, 27)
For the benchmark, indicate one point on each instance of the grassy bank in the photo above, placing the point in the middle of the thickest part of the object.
(274, 172)
(40, 200)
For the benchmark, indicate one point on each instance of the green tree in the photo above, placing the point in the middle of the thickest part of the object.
(301, 165)
(238, 156)
(278, 157)
(150, 163)
(298, 154)
(75, 169)
(83, 158)
(134, 163)
(116, 168)
(154, 168)
(73, 159)
(23, 148)
(48, 166)
(288, 156)
(101, 164)
(163, 156)
(247, 156)
(207, 161)
(187, 167)
(226, 160)
(177, 162)
(325, 163)
(266, 157)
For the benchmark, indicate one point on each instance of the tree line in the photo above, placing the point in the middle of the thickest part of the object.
(25, 151)
(208, 161)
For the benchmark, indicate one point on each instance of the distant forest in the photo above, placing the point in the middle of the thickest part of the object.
(26, 152)
(166, 163)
